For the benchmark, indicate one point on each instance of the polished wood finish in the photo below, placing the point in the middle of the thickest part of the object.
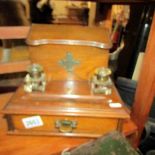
(60, 143)
(47, 31)
(93, 105)
(23, 145)
(146, 85)
(17, 145)
(85, 126)
(12, 67)
(86, 109)
(49, 55)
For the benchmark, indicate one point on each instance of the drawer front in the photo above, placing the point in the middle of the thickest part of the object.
(63, 125)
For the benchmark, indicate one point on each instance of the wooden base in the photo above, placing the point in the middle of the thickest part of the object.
(37, 145)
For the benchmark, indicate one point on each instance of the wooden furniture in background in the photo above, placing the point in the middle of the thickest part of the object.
(14, 32)
(13, 25)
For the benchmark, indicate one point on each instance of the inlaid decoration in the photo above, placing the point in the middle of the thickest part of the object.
(68, 63)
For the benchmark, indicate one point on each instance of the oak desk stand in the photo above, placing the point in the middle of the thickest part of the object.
(44, 145)
(53, 144)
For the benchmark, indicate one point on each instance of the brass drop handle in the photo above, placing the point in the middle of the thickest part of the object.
(65, 126)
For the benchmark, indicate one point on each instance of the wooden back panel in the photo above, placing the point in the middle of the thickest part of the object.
(50, 55)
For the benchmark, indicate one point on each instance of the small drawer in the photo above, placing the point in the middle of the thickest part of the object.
(63, 125)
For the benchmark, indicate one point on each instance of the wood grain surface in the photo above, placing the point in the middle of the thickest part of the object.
(93, 114)
(49, 55)
(39, 145)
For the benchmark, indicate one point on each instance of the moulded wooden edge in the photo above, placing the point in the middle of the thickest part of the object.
(129, 128)
(43, 133)
(80, 113)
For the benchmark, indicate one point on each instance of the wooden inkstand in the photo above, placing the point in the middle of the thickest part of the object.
(68, 106)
